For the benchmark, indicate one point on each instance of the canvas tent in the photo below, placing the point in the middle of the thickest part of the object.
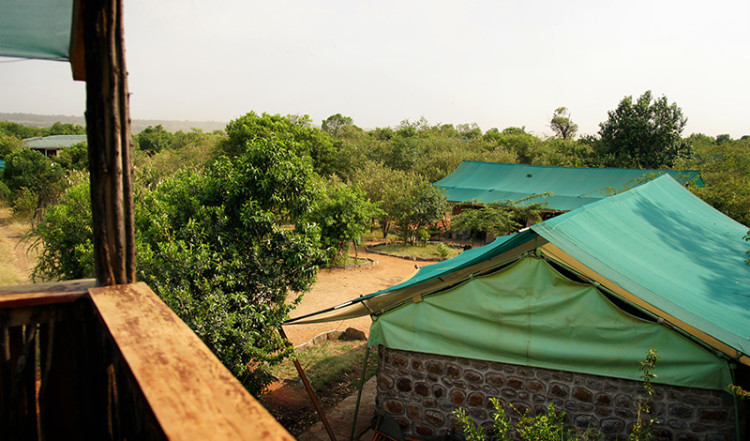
(587, 291)
(570, 187)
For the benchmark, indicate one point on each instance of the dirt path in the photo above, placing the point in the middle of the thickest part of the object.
(336, 286)
(15, 263)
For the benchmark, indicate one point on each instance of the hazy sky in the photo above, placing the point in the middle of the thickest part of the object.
(496, 63)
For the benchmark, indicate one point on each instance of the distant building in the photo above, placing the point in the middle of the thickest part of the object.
(51, 145)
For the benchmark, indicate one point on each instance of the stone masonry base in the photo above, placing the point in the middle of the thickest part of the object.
(421, 390)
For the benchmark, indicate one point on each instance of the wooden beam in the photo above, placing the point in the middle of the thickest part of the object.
(77, 50)
(44, 293)
(192, 395)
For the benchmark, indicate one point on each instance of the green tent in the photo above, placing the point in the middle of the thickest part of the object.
(588, 291)
(570, 187)
(36, 29)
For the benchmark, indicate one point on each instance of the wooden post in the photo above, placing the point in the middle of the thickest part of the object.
(109, 142)
(309, 389)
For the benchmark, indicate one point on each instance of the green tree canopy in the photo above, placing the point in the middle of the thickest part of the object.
(643, 134)
(343, 214)
(562, 125)
(222, 246)
(30, 173)
(308, 140)
(334, 124)
(154, 139)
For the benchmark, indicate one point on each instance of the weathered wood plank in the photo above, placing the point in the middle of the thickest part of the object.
(192, 395)
(44, 293)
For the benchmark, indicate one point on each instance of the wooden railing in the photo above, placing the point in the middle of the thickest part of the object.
(86, 362)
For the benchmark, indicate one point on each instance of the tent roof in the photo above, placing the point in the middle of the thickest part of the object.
(657, 246)
(36, 29)
(54, 141)
(571, 187)
(671, 250)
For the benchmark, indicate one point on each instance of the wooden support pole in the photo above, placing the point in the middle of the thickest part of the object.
(309, 389)
(109, 142)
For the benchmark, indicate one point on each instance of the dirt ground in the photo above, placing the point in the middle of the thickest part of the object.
(15, 263)
(336, 286)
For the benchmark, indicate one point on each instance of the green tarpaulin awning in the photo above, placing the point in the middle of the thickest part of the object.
(36, 29)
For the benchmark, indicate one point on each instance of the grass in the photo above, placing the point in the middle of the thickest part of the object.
(429, 251)
(376, 235)
(330, 363)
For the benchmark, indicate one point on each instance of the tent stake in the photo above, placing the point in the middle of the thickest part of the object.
(309, 389)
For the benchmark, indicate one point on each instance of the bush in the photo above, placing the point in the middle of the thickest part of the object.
(24, 203)
(222, 247)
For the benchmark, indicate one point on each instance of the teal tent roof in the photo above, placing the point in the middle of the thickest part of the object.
(36, 29)
(660, 243)
(54, 141)
(571, 187)
(670, 249)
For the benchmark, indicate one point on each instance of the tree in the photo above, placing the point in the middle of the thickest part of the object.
(221, 246)
(308, 140)
(500, 217)
(643, 134)
(562, 125)
(419, 206)
(334, 124)
(154, 139)
(725, 169)
(39, 179)
(343, 214)
(75, 157)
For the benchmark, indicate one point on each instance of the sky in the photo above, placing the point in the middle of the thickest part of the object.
(497, 63)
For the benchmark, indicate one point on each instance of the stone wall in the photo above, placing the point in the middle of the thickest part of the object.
(421, 390)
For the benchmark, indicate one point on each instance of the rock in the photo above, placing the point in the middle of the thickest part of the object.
(353, 334)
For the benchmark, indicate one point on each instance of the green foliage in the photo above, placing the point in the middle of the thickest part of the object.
(725, 169)
(5, 193)
(65, 237)
(188, 151)
(19, 131)
(9, 143)
(740, 392)
(307, 140)
(154, 139)
(562, 125)
(59, 128)
(221, 246)
(641, 430)
(471, 430)
(334, 124)
(343, 214)
(548, 426)
(643, 134)
(443, 250)
(33, 177)
(75, 157)
(526, 147)
(417, 206)
(499, 218)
